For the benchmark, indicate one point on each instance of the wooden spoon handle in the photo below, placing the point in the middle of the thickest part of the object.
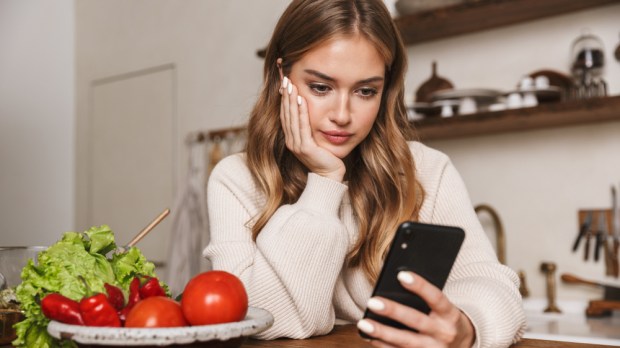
(573, 279)
(148, 228)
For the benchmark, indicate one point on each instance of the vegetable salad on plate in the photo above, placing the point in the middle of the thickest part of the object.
(74, 267)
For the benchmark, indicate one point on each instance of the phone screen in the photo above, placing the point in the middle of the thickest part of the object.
(427, 250)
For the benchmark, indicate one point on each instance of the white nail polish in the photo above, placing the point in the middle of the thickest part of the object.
(365, 326)
(284, 82)
(299, 100)
(290, 88)
(376, 304)
(405, 277)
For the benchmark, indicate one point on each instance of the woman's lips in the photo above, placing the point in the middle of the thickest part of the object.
(336, 137)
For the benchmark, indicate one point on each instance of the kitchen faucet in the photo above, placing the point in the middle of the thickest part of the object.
(499, 231)
(501, 242)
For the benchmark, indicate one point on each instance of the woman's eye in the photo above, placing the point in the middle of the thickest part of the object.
(367, 92)
(319, 89)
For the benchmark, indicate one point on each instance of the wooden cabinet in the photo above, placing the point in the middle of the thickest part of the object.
(559, 114)
(472, 16)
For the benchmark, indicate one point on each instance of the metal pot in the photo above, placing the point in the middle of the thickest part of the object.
(13, 259)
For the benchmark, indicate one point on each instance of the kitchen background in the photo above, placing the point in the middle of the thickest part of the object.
(97, 99)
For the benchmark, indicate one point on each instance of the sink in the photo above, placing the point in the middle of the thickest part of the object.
(571, 325)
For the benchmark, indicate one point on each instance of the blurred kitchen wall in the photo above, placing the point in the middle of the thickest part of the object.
(199, 58)
(37, 121)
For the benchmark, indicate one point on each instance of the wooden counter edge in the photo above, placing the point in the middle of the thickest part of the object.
(346, 336)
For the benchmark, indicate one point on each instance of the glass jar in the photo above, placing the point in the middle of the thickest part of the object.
(588, 60)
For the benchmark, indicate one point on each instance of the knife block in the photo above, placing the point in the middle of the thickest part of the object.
(610, 257)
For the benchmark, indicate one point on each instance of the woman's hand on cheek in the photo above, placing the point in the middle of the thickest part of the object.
(444, 326)
(298, 135)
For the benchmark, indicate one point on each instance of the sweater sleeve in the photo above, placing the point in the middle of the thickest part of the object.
(292, 268)
(485, 290)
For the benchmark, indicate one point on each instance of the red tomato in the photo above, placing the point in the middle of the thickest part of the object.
(214, 297)
(156, 311)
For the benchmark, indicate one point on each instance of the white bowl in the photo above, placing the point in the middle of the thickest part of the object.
(256, 320)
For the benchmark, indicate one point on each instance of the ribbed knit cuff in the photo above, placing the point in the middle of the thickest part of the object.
(322, 195)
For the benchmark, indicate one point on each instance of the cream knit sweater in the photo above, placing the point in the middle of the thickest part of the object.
(296, 268)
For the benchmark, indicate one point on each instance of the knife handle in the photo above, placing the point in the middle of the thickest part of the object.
(586, 253)
(573, 279)
(597, 245)
(582, 232)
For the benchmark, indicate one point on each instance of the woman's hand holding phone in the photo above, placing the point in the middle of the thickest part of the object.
(444, 326)
(298, 135)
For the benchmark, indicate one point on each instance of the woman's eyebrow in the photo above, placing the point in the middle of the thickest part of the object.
(329, 78)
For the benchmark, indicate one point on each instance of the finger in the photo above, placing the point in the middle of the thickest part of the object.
(405, 315)
(431, 294)
(304, 122)
(294, 116)
(393, 336)
(284, 116)
(443, 317)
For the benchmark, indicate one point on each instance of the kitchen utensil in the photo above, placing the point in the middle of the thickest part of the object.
(434, 84)
(144, 231)
(586, 251)
(585, 226)
(13, 259)
(609, 292)
(601, 308)
(600, 234)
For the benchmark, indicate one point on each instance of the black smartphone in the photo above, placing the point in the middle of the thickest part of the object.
(427, 250)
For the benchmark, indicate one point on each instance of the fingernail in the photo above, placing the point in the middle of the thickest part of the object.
(405, 277)
(290, 88)
(284, 82)
(365, 326)
(376, 304)
(299, 100)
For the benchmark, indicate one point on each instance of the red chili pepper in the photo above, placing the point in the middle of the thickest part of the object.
(97, 311)
(115, 296)
(151, 288)
(134, 297)
(63, 309)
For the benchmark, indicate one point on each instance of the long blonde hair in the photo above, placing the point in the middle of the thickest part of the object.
(383, 187)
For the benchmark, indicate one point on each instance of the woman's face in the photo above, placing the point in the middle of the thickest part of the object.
(342, 82)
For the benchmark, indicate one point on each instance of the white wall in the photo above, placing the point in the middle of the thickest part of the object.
(212, 45)
(37, 118)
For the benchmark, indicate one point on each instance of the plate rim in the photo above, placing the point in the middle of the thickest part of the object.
(255, 321)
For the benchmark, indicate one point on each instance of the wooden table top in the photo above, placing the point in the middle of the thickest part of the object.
(346, 336)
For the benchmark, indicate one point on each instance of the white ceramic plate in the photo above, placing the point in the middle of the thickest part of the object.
(255, 321)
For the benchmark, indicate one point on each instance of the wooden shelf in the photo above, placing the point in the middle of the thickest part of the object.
(472, 16)
(550, 115)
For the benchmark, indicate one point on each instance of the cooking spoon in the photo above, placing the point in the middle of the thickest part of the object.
(144, 231)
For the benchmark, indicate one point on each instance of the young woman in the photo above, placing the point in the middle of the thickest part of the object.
(305, 216)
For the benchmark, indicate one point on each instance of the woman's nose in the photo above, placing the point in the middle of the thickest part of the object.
(342, 110)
